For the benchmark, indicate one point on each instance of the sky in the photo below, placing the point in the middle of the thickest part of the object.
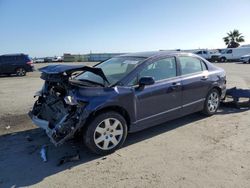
(53, 27)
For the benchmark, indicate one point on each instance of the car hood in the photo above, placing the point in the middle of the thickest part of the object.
(69, 69)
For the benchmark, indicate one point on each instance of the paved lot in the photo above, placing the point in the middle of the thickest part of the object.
(193, 151)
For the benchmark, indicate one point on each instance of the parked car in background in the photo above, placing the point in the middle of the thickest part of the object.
(48, 59)
(17, 64)
(233, 54)
(208, 54)
(57, 59)
(245, 58)
(38, 60)
(125, 94)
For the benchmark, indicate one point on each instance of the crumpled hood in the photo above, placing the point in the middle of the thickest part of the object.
(69, 69)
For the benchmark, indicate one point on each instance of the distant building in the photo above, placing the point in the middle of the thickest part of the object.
(94, 57)
(74, 57)
(101, 56)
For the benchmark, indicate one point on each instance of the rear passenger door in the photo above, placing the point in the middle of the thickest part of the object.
(195, 83)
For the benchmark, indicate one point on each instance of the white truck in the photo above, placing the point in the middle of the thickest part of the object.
(233, 54)
(207, 54)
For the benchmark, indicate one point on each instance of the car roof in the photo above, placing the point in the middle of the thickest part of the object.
(21, 54)
(154, 54)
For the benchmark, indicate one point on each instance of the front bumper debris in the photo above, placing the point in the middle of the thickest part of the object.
(65, 128)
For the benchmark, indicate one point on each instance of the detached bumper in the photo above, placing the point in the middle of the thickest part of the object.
(39, 122)
(64, 129)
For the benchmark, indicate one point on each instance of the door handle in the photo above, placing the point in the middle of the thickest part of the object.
(204, 77)
(175, 85)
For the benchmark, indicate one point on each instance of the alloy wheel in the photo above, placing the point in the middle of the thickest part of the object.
(213, 102)
(20, 72)
(108, 134)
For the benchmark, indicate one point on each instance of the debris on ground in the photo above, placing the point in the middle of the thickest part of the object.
(104, 158)
(237, 95)
(43, 153)
(69, 158)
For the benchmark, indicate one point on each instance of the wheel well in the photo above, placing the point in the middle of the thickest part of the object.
(20, 67)
(218, 88)
(117, 109)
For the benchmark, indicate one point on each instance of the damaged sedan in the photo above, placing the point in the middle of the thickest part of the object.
(124, 94)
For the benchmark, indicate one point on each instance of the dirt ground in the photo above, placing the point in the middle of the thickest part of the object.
(193, 151)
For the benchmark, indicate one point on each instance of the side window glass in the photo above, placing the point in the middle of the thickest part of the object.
(190, 65)
(229, 51)
(133, 82)
(160, 69)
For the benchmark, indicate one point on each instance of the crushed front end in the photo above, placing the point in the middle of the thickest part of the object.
(56, 110)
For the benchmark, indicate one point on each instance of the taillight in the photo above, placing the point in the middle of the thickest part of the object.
(30, 63)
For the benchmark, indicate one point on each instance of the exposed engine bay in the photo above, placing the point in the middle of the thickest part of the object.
(56, 110)
(62, 118)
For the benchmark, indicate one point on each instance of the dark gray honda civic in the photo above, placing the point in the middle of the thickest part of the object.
(124, 94)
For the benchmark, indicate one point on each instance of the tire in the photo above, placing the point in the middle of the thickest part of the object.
(20, 72)
(212, 102)
(223, 59)
(99, 135)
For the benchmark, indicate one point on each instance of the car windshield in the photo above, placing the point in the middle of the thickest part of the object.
(114, 69)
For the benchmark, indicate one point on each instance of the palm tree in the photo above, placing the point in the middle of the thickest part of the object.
(233, 39)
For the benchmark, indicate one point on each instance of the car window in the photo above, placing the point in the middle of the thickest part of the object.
(159, 70)
(190, 65)
(199, 52)
(229, 51)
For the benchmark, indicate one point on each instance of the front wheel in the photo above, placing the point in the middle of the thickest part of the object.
(106, 133)
(212, 103)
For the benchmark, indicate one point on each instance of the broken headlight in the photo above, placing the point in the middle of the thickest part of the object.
(70, 100)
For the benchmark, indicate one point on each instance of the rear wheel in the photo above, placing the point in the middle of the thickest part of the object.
(106, 133)
(20, 72)
(212, 102)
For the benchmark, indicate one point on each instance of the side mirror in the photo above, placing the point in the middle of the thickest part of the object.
(147, 80)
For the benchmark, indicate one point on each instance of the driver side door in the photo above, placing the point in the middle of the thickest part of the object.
(160, 101)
